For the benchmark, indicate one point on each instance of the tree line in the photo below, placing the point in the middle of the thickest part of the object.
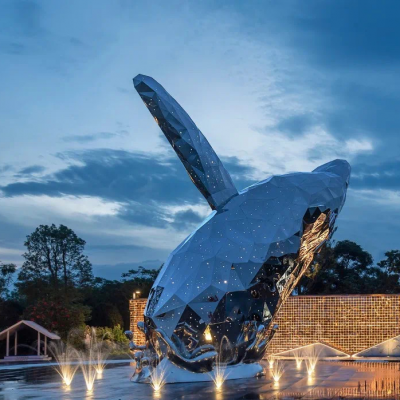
(55, 286)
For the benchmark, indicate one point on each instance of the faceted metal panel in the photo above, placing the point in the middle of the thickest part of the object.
(231, 275)
(202, 164)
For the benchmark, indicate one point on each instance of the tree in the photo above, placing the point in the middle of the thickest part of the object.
(142, 275)
(6, 274)
(57, 316)
(54, 258)
(109, 300)
(341, 268)
(392, 262)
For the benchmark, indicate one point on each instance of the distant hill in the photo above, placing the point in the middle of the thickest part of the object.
(114, 272)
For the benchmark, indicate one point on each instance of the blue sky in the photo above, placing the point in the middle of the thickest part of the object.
(275, 87)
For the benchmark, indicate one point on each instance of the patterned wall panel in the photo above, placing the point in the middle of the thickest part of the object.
(350, 323)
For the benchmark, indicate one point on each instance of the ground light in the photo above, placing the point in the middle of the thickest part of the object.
(219, 375)
(277, 371)
(64, 355)
(157, 378)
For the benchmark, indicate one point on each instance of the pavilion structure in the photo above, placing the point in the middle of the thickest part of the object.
(42, 335)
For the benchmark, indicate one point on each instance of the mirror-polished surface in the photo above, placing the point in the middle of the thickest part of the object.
(230, 276)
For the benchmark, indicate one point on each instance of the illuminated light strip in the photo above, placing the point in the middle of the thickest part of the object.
(376, 345)
(313, 344)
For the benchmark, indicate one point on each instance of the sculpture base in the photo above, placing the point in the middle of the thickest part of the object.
(174, 374)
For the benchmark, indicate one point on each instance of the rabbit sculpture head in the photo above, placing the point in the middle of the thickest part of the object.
(227, 279)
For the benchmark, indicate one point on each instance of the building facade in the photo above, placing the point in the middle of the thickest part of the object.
(136, 310)
(354, 325)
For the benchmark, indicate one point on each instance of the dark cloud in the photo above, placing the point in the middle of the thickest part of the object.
(6, 168)
(349, 53)
(186, 219)
(114, 175)
(343, 33)
(364, 108)
(380, 176)
(145, 185)
(149, 214)
(89, 138)
(34, 169)
(122, 176)
(296, 124)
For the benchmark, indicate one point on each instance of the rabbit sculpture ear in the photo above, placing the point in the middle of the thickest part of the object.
(200, 160)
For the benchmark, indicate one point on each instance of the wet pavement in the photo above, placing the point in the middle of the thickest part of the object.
(331, 380)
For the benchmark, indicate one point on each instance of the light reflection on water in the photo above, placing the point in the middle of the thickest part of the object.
(331, 380)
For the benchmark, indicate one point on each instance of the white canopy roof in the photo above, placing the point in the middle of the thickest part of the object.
(20, 325)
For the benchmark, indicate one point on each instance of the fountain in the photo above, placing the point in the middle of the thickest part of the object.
(100, 352)
(224, 357)
(157, 377)
(270, 360)
(219, 375)
(88, 371)
(93, 360)
(298, 360)
(311, 361)
(277, 371)
(64, 354)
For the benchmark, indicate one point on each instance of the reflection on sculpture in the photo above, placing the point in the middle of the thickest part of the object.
(231, 275)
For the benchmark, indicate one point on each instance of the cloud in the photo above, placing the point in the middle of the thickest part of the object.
(122, 176)
(383, 197)
(6, 168)
(296, 124)
(354, 146)
(7, 251)
(385, 175)
(345, 33)
(89, 138)
(20, 208)
(115, 198)
(33, 169)
(115, 175)
(285, 87)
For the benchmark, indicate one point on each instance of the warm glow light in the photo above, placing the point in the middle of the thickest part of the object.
(219, 375)
(64, 356)
(311, 363)
(157, 377)
(93, 359)
(207, 334)
(136, 309)
(271, 361)
(89, 374)
(344, 321)
(277, 371)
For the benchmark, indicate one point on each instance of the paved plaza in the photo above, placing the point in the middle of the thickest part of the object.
(331, 380)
